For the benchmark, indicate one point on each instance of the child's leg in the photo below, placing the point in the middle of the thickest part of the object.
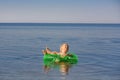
(44, 52)
(48, 50)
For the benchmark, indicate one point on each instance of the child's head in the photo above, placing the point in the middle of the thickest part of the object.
(64, 48)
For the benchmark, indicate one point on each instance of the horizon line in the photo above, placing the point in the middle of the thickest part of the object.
(57, 24)
(51, 23)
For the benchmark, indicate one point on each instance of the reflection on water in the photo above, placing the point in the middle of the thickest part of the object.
(63, 67)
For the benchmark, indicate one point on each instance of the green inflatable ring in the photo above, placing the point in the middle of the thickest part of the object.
(53, 58)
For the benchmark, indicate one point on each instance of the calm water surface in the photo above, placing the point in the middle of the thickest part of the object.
(98, 49)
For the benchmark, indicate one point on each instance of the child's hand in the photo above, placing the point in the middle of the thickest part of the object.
(70, 55)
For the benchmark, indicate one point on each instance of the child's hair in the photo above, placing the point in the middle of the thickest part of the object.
(67, 46)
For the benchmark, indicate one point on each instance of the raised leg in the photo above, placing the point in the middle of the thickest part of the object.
(48, 50)
(44, 51)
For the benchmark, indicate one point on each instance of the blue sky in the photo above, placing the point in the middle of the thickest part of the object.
(60, 11)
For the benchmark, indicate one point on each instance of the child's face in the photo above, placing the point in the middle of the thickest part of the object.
(64, 48)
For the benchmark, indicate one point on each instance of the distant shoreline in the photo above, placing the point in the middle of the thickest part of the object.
(56, 24)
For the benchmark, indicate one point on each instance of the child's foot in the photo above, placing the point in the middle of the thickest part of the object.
(44, 52)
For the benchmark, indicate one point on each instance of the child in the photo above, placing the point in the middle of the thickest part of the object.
(63, 50)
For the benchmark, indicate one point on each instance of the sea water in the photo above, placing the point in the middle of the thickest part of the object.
(96, 45)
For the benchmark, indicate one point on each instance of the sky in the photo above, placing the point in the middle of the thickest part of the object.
(60, 11)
